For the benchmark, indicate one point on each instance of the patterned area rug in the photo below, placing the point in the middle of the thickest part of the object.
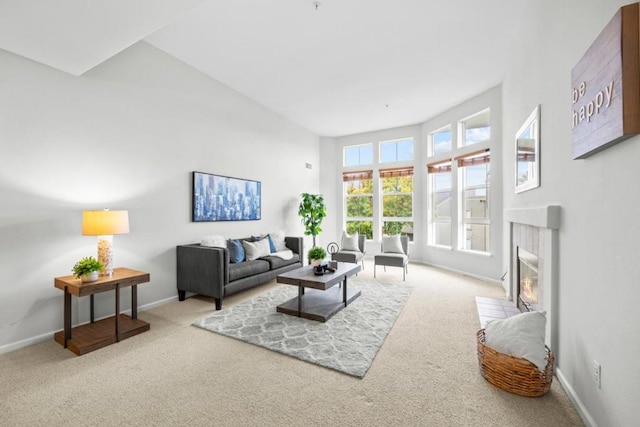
(348, 342)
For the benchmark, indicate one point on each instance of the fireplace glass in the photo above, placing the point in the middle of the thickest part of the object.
(527, 281)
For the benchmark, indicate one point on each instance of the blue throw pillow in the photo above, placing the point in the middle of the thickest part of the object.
(272, 247)
(236, 251)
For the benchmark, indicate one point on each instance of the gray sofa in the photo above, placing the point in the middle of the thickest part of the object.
(207, 271)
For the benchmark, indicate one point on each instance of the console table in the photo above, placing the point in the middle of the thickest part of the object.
(94, 335)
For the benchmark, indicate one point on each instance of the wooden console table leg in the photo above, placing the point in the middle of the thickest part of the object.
(117, 312)
(67, 316)
(92, 313)
(134, 302)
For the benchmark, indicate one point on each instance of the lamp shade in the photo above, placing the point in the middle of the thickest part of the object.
(105, 222)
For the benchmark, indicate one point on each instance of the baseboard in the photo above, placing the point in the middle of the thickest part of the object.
(577, 403)
(7, 348)
(463, 273)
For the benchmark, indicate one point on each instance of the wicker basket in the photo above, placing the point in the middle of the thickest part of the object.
(514, 374)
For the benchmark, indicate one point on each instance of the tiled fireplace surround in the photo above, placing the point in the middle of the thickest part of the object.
(536, 231)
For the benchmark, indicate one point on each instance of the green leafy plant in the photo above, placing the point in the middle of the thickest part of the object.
(87, 265)
(312, 210)
(317, 252)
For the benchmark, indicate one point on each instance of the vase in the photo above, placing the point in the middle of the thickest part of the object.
(89, 277)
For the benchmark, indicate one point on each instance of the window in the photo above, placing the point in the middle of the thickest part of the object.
(396, 151)
(475, 129)
(440, 141)
(440, 203)
(474, 171)
(358, 191)
(397, 201)
(358, 155)
(458, 185)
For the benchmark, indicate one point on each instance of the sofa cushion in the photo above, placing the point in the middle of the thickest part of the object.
(236, 251)
(277, 262)
(256, 249)
(247, 268)
(350, 243)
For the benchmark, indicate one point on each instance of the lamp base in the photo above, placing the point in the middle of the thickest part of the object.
(105, 254)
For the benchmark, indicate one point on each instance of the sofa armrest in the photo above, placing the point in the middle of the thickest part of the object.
(296, 244)
(203, 270)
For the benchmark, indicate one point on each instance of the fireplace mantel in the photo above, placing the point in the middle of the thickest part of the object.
(543, 216)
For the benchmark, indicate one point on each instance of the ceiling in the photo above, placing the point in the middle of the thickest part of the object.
(349, 66)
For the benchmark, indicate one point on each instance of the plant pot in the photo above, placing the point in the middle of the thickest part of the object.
(89, 277)
(315, 262)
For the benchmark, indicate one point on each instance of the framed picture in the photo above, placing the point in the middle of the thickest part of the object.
(222, 198)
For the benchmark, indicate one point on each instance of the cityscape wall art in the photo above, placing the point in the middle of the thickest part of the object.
(223, 198)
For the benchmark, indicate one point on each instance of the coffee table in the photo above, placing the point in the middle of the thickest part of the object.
(323, 299)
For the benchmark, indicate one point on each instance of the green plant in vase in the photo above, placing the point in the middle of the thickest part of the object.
(316, 255)
(87, 269)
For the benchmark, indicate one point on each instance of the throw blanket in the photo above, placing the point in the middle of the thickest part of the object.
(286, 254)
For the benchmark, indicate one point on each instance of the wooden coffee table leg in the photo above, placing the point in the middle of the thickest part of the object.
(344, 291)
(300, 293)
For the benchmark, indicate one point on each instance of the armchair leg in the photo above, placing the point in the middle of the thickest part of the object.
(374, 270)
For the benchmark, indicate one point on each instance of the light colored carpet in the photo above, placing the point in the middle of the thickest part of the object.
(425, 374)
(347, 343)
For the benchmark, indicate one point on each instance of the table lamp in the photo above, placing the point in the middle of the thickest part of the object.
(105, 224)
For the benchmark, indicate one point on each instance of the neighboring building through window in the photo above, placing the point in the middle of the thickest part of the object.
(440, 193)
(475, 173)
(358, 155)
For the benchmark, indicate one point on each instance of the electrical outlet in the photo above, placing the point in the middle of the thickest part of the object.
(596, 372)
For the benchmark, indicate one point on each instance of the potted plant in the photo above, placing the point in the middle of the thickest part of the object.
(87, 269)
(316, 255)
(312, 210)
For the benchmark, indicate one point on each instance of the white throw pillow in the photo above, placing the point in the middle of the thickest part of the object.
(255, 250)
(392, 245)
(277, 238)
(214, 241)
(350, 243)
(521, 335)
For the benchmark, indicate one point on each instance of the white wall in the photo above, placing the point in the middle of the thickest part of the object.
(598, 290)
(126, 135)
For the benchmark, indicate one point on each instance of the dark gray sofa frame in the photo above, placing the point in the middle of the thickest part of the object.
(204, 270)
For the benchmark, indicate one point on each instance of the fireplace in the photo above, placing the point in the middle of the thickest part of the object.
(533, 262)
(527, 281)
